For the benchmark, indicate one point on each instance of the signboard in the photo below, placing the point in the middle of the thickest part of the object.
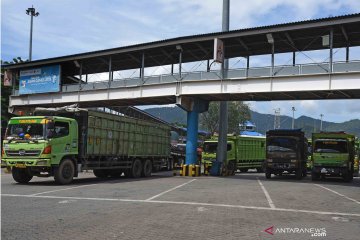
(218, 50)
(40, 80)
(8, 78)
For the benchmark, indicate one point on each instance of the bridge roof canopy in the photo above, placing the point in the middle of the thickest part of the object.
(288, 37)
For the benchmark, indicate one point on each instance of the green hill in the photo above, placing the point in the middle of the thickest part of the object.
(265, 122)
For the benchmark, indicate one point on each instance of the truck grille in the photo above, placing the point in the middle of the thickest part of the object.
(20, 153)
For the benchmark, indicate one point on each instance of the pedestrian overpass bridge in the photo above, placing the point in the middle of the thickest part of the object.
(68, 81)
(299, 82)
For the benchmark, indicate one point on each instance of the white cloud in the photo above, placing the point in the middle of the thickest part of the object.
(68, 27)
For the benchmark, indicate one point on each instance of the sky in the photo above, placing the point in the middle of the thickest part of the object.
(69, 27)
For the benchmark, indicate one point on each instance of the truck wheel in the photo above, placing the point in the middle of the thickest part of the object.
(114, 173)
(136, 169)
(244, 170)
(100, 173)
(299, 173)
(147, 168)
(64, 174)
(268, 174)
(21, 175)
(315, 176)
(170, 165)
(259, 170)
(348, 177)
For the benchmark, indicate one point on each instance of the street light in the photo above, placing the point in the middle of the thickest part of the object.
(321, 117)
(31, 11)
(293, 118)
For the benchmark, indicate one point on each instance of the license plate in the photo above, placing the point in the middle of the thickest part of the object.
(20, 165)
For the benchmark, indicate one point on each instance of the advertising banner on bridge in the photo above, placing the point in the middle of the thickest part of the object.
(40, 80)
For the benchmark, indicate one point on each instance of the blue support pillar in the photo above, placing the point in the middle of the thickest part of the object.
(192, 137)
(193, 107)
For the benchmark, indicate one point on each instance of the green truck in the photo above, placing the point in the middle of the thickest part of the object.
(286, 151)
(243, 152)
(333, 155)
(357, 157)
(62, 143)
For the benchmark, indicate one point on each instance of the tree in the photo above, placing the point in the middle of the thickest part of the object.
(6, 90)
(239, 112)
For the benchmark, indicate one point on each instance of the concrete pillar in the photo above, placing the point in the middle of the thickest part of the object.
(193, 107)
(192, 137)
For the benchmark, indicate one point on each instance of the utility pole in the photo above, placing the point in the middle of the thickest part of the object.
(293, 118)
(277, 118)
(321, 117)
(31, 11)
(223, 123)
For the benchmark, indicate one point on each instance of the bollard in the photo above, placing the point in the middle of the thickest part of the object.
(193, 169)
(197, 170)
(181, 169)
(184, 170)
(206, 170)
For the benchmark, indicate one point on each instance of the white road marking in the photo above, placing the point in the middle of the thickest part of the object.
(171, 189)
(67, 201)
(189, 203)
(201, 209)
(63, 189)
(268, 198)
(342, 195)
(340, 219)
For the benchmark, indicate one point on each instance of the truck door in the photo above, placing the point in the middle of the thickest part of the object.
(61, 140)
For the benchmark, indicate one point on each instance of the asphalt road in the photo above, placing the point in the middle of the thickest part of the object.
(167, 207)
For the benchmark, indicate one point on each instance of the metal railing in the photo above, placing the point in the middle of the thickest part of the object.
(256, 72)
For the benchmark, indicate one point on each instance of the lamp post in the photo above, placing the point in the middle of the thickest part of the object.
(293, 118)
(321, 117)
(31, 11)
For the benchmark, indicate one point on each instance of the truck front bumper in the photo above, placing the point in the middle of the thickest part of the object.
(330, 170)
(281, 166)
(24, 163)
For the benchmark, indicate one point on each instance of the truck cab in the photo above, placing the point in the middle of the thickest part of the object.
(37, 145)
(333, 155)
(209, 153)
(286, 152)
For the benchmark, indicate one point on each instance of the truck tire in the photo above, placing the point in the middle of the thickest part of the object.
(100, 173)
(170, 165)
(64, 174)
(299, 173)
(349, 176)
(136, 169)
(115, 173)
(243, 170)
(147, 168)
(21, 175)
(315, 176)
(268, 174)
(259, 170)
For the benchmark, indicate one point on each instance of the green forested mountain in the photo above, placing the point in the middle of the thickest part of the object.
(265, 122)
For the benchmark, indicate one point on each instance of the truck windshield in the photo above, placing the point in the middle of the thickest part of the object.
(331, 146)
(281, 144)
(29, 131)
(211, 147)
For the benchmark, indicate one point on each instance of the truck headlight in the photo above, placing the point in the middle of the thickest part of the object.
(293, 160)
(42, 162)
(345, 165)
(269, 160)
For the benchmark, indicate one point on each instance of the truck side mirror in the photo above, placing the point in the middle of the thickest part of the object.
(50, 129)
